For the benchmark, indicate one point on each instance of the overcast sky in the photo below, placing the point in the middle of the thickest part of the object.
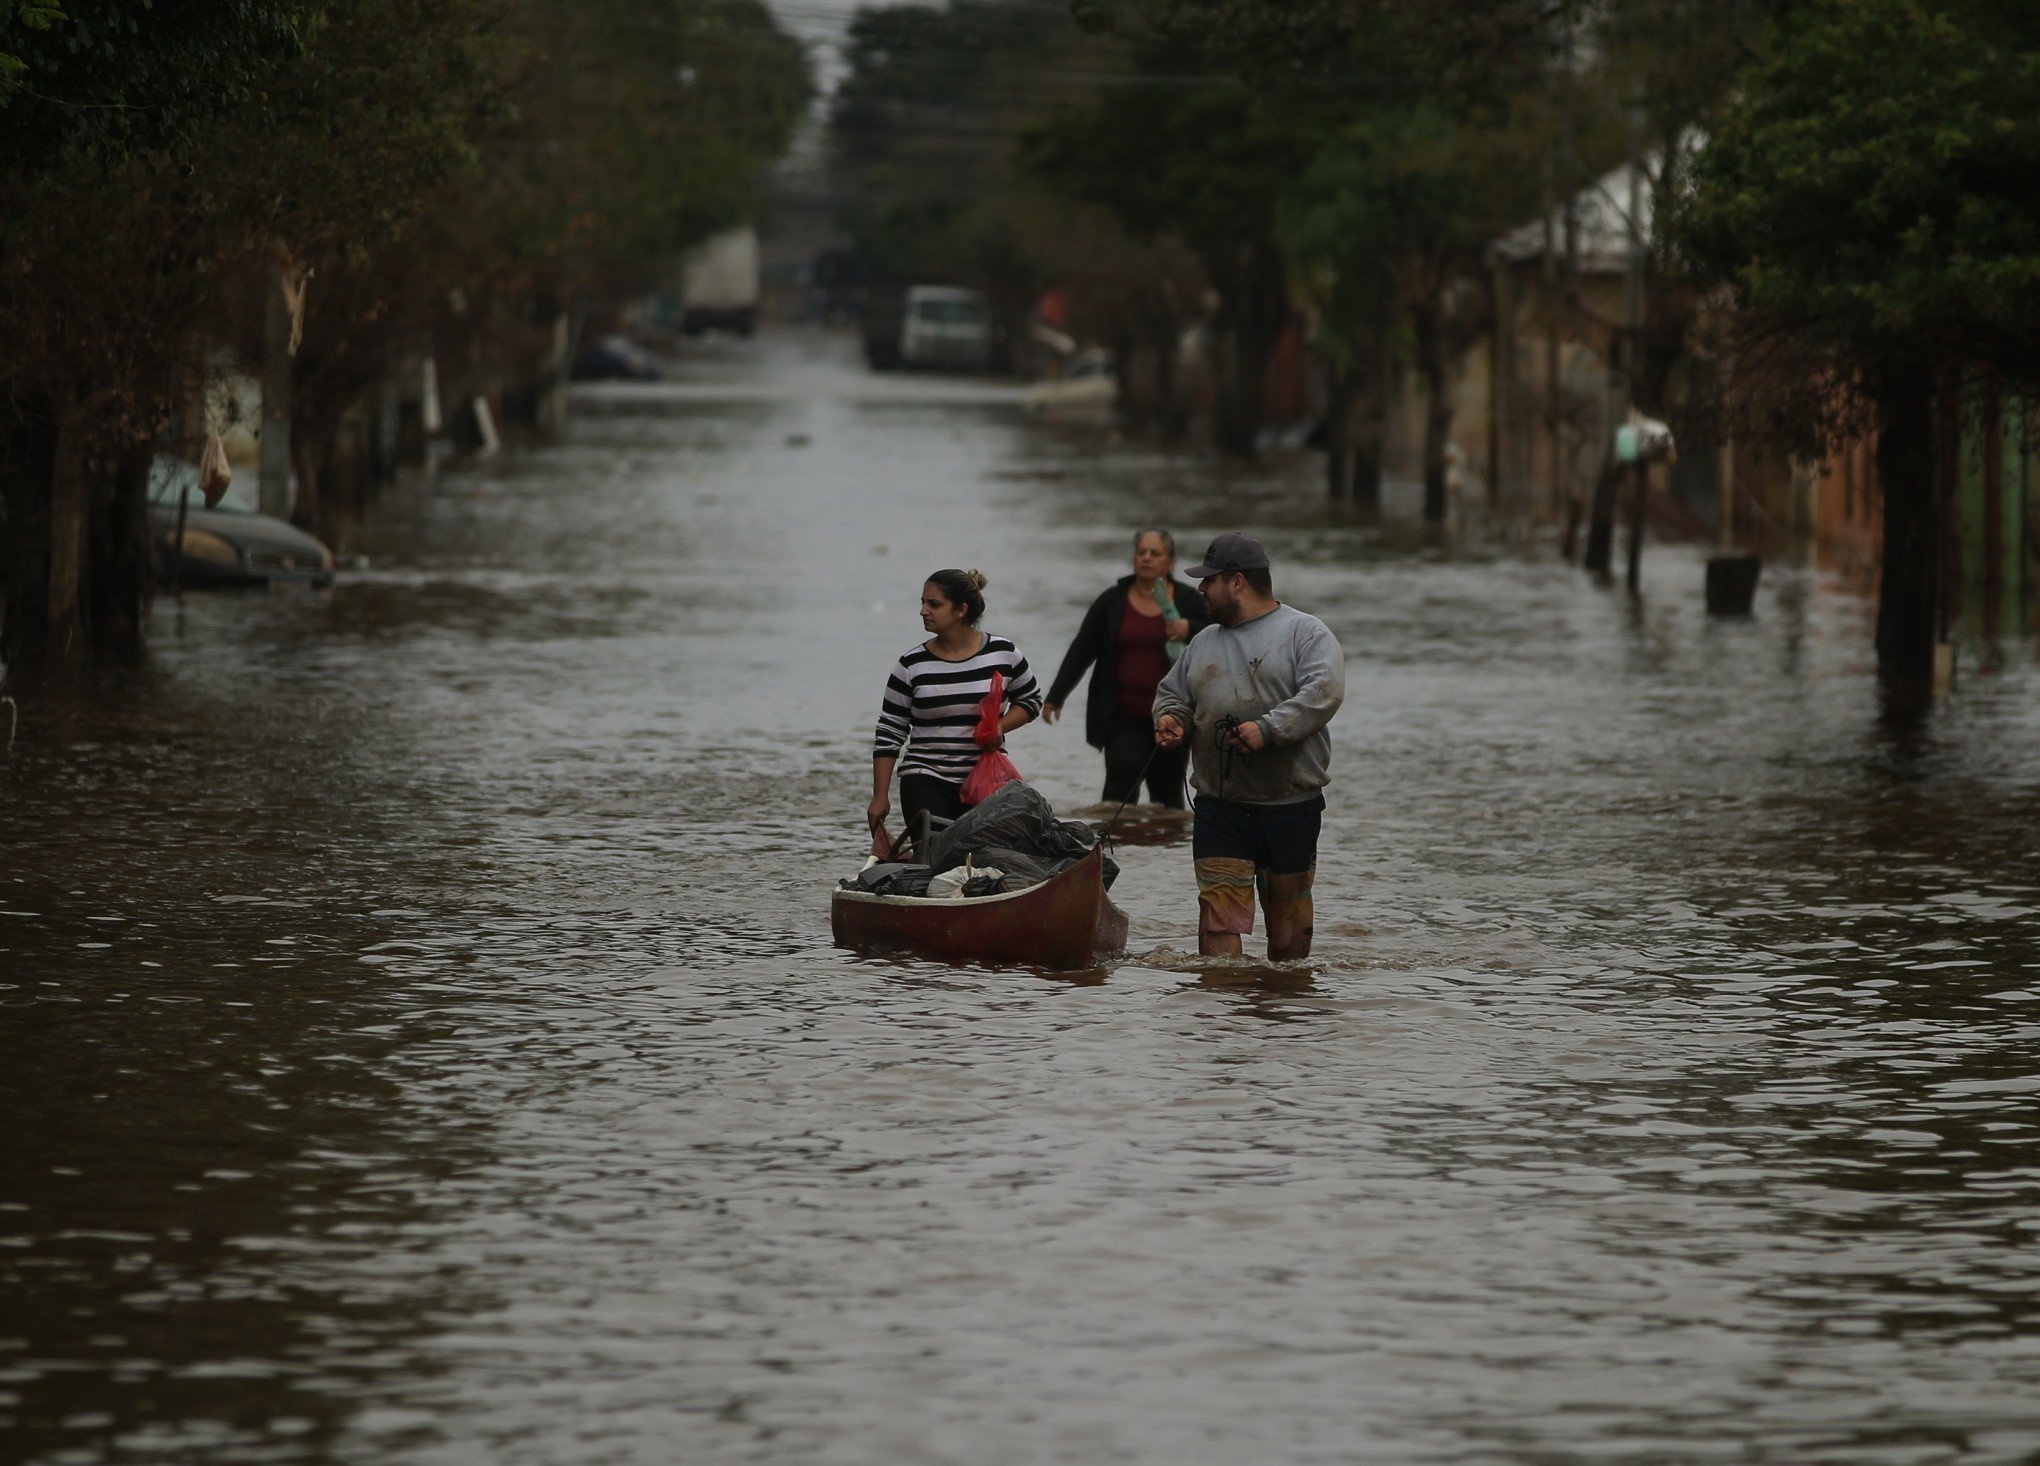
(820, 23)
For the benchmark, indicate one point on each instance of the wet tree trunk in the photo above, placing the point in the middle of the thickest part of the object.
(27, 466)
(1242, 375)
(1639, 512)
(97, 542)
(1993, 508)
(1162, 331)
(314, 428)
(1437, 443)
(307, 455)
(1127, 406)
(1169, 407)
(1600, 553)
(1948, 494)
(1338, 471)
(1171, 404)
(1341, 397)
(1434, 363)
(1370, 432)
(1253, 312)
(70, 504)
(121, 579)
(1367, 449)
(1909, 587)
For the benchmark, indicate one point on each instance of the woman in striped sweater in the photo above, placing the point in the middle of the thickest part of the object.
(932, 697)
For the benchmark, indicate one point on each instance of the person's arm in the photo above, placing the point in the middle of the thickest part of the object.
(895, 723)
(881, 793)
(1175, 709)
(1023, 695)
(1320, 688)
(1077, 660)
(1190, 602)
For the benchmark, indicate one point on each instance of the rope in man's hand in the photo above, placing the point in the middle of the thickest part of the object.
(1228, 744)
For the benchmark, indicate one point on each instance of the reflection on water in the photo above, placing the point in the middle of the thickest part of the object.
(421, 1041)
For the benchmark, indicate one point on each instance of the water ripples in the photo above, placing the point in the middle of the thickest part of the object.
(422, 1042)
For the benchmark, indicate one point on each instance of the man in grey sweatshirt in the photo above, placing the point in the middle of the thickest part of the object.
(1254, 694)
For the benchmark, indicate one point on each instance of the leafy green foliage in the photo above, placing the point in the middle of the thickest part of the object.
(116, 77)
(158, 162)
(1875, 193)
(1669, 65)
(924, 125)
(1408, 198)
(1357, 52)
(1368, 148)
(21, 17)
(643, 127)
(1207, 163)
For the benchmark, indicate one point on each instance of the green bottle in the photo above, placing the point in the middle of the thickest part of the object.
(1165, 597)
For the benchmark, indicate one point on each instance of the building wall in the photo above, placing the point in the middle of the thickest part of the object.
(1738, 496)
(1730, 492)
(1505, 424)
(1848, 518)
(1997, 515)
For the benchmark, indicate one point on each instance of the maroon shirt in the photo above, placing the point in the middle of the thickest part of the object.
(1143, 661)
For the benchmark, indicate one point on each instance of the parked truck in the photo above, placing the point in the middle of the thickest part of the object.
(719, 284)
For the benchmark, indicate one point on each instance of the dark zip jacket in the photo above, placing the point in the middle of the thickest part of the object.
(1098, 641)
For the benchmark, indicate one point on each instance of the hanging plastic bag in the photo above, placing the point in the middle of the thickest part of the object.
(215, 474)
(993, 771)
(993, 768)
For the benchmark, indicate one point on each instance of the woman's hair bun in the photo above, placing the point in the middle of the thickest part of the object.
(965, 588)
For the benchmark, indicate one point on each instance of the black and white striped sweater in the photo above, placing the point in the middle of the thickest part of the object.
(931, 706)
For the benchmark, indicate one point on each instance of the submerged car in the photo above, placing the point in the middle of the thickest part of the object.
(617, 359)
(1087, 390)
(228, 544)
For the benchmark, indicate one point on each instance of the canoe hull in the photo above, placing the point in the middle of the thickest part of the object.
(1063, 924)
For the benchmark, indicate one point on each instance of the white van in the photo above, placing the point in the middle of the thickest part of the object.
(946, 326)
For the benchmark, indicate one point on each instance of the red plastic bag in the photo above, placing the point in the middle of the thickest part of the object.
(993, 768)
(993, 708)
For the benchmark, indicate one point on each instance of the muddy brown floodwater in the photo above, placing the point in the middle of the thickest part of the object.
(420, 1039)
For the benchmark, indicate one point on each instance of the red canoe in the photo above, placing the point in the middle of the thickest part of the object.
(1065, 923)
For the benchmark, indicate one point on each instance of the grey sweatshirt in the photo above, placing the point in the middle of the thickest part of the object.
(1283, 670)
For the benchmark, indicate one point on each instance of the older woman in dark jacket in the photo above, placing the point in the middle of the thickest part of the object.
(1129, 633)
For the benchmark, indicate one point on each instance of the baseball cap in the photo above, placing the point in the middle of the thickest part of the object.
(1229, 552)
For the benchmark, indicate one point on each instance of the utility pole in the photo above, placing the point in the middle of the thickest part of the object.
(1557, 302)
(1639, 259)
(275, 481)
(1501, 376)
(283, 318)
(1725, 477)
(1626, 363)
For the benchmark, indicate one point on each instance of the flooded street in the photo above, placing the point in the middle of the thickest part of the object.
(421, 1040)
